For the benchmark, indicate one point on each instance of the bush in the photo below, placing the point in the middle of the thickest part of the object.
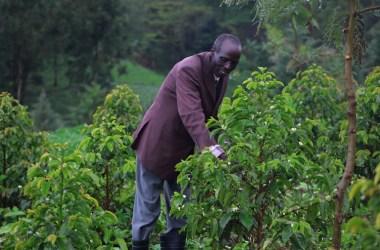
(123, 104)
(63, 214)
(269, 194)
(20, 147)
(368, 127)
(106, 150)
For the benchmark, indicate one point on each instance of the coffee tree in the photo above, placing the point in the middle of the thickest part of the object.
(368, 134)
(106, 150)
(269, 194)
(317, 96)
(123, 104)
(361, 230)
(20, 147)
(63, 214)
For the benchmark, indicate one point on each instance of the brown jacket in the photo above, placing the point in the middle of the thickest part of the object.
(176, 120)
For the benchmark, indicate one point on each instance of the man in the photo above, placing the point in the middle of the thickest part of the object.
(169, 131)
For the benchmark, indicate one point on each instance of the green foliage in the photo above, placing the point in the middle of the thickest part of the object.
(106, 150)
(89, 100)
(63, 214)
(368, 131)
(123, 104)
(269, 193)
(317, 96)
(169, 17)
(73, 194)
(71, 136)
(43, 115)
(20, 147)
(365, 228)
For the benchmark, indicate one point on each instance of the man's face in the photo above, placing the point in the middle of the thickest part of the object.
(226, 59)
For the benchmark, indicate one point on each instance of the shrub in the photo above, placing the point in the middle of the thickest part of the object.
(106, 150)
(63, 214)
(368, 127)
(123, 104)
(20, 147)
(364, 227)
(269, 194)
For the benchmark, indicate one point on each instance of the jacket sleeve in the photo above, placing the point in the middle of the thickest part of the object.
(189, 105)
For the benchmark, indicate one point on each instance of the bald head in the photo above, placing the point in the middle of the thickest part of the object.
(224, 38)
(226, 53)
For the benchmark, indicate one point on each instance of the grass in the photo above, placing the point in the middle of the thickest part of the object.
(72, 136)
(142, 81)
(135, 74)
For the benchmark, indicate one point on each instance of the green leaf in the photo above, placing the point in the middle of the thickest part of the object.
(214, 227)
(286, 233)
(54, 163)
(44, 156)
(227, 198)
(35, 171)
(110, 146)
(110, 217)
(377, 222)
(357, 225)
(224, 220)
(14, 213)
(246, 218)
(52, 238)
(299, 241)
(122, 244)
(356, 188)
(304, 225)
(5, 229)
(235, 178)
(45, 187)
(91, 157)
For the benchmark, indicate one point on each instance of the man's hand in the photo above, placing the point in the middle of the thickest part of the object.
(223, 157)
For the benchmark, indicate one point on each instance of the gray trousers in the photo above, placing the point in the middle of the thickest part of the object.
(147, 206)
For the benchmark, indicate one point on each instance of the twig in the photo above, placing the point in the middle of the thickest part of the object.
(358, 12)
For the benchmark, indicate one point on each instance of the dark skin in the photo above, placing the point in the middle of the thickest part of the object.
(225, 59)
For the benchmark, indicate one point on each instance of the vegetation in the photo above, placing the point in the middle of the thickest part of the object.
(298, 132)
(275, 191)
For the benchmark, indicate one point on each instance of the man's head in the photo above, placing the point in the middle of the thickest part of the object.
(225, 54)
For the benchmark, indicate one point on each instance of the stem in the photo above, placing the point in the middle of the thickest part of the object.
(246, 180)
(107, 205)
(298, 209)
(260, 218)
(377, 7)
(351, 137)
(61, 198)
(3, 198)
(4, 147)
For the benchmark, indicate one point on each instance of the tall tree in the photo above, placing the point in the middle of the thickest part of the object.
(88, 36)
(354, 46)
(20, 37)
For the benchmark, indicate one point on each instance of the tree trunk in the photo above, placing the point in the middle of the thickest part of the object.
(351, 137)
